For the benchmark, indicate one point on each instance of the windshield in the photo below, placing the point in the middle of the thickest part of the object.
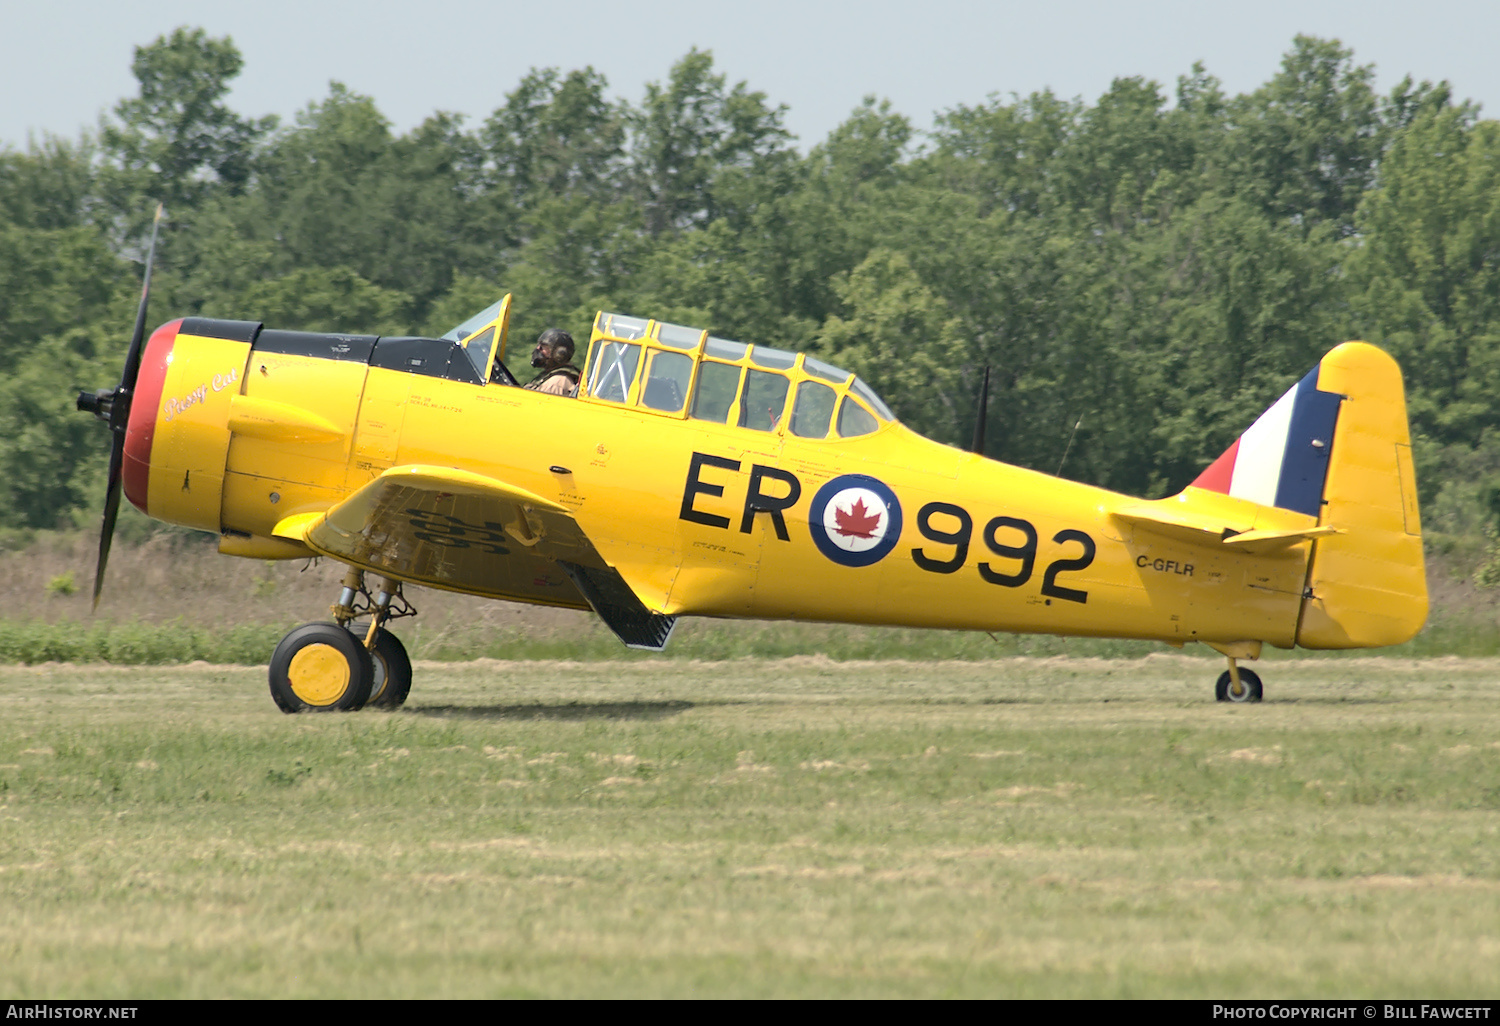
(474, 323)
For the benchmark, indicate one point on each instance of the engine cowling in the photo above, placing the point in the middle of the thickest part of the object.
(177, 437)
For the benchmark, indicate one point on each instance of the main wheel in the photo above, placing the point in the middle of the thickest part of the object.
(392, 680)
(320, 667)
(1251, 690)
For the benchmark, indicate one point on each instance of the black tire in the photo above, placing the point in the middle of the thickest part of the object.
(391, 682)
(320, 667)
(1251, 681)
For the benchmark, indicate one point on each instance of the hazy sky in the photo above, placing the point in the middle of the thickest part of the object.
(64, 62)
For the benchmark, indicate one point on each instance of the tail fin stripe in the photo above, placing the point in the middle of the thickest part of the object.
(1309, 442)
(1282, 460)
(1220, 474)
(1257, 469)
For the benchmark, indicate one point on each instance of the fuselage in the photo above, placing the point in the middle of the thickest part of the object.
(701, 517)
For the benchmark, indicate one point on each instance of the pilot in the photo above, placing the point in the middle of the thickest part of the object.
(554, 355)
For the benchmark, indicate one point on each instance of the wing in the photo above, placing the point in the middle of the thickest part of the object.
(466, 532)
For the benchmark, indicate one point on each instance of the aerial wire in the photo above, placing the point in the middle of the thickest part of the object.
(1069, 447)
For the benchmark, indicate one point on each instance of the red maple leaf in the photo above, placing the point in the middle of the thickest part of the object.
(856, 521)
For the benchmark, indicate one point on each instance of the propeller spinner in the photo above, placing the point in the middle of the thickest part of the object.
(113, 407)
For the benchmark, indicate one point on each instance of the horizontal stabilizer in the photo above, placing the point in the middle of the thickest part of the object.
(1264, 542)
(1233, 527)
(1184, 521)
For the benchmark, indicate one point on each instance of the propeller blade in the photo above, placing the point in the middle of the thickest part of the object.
(132, 367)
(118, 406)
(111, 511)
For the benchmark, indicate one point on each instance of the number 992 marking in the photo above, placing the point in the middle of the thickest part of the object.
(950, 526)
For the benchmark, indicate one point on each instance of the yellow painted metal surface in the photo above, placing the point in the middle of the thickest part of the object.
(257, 547)
(271, 475)
(318, 674)
(192, 433)
(382, 414)
(1367, 584)
(273, 421)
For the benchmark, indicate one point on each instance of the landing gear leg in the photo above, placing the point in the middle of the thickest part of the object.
(391, 682)
(1237, 685)
(321, 667)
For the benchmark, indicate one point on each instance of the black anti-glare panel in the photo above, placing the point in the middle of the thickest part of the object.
(316, 344)
(229, 331)
(434, 357)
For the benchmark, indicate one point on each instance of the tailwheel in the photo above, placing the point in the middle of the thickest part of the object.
(320, 667)
(392, 677)
(1249, 689)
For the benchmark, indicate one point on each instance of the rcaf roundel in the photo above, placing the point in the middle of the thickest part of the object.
(855, 520)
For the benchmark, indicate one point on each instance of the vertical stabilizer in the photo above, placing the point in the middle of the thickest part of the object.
(1366, 585)
(1282, 460)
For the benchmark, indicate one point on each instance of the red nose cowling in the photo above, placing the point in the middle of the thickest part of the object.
(145, 405)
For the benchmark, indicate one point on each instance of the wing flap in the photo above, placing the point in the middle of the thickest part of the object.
(620, 608)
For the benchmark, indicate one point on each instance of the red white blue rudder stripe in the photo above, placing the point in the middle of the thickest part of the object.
(1283, 459)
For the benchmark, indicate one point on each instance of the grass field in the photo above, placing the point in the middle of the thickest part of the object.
(799, 827)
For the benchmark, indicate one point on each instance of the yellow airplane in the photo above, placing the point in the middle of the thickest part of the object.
(697, 476)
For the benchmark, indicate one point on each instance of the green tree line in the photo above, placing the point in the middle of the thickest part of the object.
(1143, 274)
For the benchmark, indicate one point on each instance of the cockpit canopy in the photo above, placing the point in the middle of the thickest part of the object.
(482, 337)
(681, 371)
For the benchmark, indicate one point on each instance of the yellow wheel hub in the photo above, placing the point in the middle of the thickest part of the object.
(319, 674)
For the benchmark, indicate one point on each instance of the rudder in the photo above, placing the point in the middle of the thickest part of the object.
(1366, 585)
